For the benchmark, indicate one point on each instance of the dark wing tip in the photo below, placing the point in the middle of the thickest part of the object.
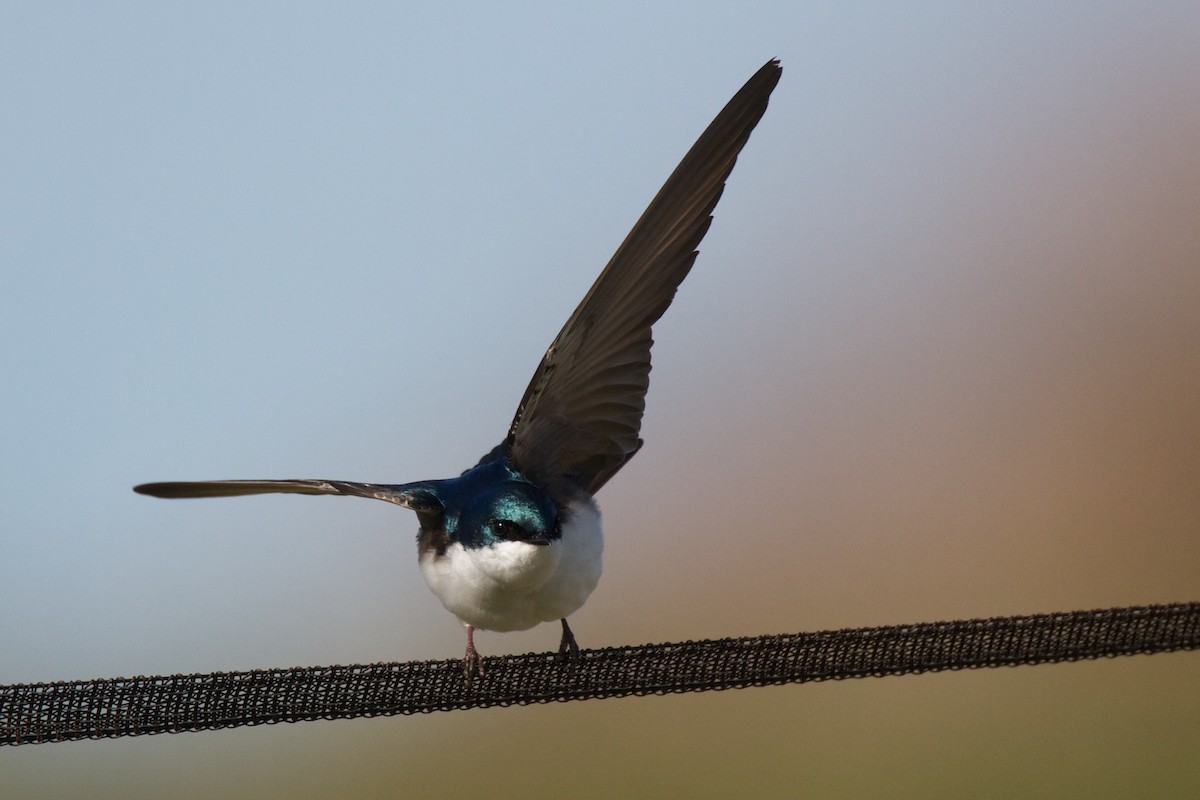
(417, 496)
(772, 66)
(168, 489)
(235, 488)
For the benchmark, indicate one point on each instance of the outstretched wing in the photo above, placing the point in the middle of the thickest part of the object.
(582, 412)
(408, 495)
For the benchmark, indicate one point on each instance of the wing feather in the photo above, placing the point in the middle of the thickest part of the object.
(581, 413)
(403, 495)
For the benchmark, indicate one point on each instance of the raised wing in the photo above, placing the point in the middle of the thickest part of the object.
(582, 412)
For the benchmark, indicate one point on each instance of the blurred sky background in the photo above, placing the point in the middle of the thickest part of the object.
(939, 358)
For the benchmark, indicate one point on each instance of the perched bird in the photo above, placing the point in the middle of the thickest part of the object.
(515, 540)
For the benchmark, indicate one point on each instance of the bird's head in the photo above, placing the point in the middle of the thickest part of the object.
(486, 505)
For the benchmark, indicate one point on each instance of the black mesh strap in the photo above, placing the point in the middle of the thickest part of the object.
(54, 712)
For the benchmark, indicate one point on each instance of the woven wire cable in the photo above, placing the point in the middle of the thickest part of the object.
(114, 707)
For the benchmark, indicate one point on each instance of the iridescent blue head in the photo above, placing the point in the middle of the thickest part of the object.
(487, 504)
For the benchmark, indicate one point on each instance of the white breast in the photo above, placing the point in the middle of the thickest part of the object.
(512, 586)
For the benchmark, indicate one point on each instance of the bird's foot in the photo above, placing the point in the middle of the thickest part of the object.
(568, 650)
(472, 661)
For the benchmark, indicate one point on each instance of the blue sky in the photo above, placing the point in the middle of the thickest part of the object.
(937, 357)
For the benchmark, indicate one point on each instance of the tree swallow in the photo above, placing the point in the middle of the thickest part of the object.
(515, 540)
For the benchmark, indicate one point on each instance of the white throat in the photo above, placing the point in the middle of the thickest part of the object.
(512, 586)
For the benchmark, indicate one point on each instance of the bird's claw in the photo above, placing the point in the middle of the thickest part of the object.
(568, 650)
(472, 667)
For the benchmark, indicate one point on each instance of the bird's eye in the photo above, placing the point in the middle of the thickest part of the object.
(507, 529)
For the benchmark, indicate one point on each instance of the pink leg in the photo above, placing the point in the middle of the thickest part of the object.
(472, 663)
